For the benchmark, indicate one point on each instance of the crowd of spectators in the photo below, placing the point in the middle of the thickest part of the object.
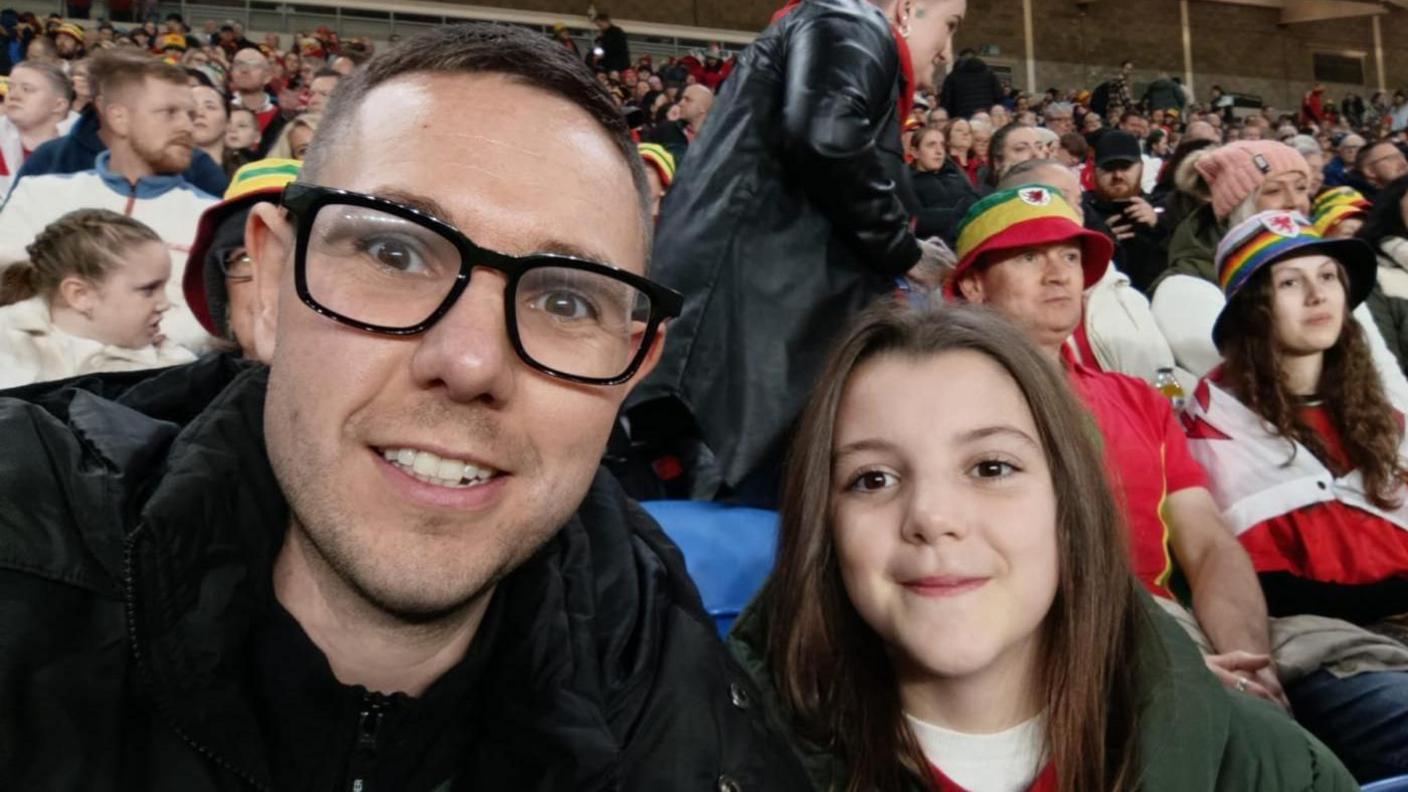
(1252, 263)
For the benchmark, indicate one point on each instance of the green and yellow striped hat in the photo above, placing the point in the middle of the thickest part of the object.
(1026, 216)
(259, 180)
(657, 157)
(1336, 205)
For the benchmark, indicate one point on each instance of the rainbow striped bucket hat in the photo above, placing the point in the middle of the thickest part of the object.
(1269, 237)
(1336, 205)
(1026, 216)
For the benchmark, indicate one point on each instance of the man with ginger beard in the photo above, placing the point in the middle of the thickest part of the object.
(145, 108)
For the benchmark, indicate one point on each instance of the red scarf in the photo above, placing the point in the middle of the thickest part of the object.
(906, 104)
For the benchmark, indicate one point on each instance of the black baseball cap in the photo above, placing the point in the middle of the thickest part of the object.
(1117, 148)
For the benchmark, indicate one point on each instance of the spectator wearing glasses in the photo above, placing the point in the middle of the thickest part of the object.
(1378, 164)
(219, 276)
(388, 558)
(147, 110)
(89, 299)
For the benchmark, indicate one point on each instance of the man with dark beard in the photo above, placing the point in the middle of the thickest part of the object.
(1131, 219)
(146, 107)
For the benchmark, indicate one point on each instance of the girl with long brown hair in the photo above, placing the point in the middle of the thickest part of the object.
(1306, 457)
(952, 607)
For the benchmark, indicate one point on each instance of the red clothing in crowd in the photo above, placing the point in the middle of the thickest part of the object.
(1046, 782)
(1146, 458)
(971, 169)
(5, 169)
(1332, 542)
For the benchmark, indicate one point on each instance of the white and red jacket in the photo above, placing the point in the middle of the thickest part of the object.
(1253, 475)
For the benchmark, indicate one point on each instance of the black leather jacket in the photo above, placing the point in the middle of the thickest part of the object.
(140, 519)
(790, 214)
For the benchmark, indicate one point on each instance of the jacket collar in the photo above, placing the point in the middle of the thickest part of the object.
(146, 188)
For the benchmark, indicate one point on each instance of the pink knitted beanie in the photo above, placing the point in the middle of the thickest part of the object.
(1236, 170)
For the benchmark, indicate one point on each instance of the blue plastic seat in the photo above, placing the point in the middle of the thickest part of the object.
(728, 550)
(1398, 784)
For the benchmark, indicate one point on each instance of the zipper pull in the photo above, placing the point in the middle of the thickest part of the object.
(368, 732)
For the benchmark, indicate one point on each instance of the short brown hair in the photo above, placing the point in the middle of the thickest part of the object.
(832, 673)
(112, 70)
(54, 75)
(485, 48)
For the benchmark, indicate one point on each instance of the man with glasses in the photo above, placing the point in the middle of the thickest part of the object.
(1379, 164)
(249, 81)
(388, 561)
(219, 276)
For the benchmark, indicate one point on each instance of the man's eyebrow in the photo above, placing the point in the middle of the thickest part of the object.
(427, 205)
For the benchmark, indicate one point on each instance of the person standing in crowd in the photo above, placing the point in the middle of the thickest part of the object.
(612, 52)
(1308, 454)
(563, 36)
(1023, 253)
(77, 151)
(218, 281)
(1398, 112)
(146, 108)
(1126, 211)
(1164, 93)
(1378, 164)
(943, 191)
(971, 87)
(812, 182)
(89, 298)
(960, 150)
(963, 569)
(36, 103)
(1346, 155)
(393, 554)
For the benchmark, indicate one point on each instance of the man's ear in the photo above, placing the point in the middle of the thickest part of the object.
(115, 118)
(268, 238)
(652, 357)
(971, 287)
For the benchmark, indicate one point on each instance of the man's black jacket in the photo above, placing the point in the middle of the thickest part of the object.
(140, 519)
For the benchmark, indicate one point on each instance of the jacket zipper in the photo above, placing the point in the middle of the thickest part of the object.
(130, 586)
(369, 722)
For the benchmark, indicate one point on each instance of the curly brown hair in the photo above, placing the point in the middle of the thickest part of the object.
(1349, 387)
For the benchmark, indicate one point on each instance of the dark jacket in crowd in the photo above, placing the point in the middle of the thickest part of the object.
(142, 647)
(970, 87)
(79, 149)
(1193, 733)
(944, 198)
(792, 215)
(616, 51)
(1165, 94)
(1142, 257)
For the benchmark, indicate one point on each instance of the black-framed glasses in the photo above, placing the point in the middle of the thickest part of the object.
(386, 268)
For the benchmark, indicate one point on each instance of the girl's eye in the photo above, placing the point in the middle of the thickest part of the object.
(992, 468)
(873, 480)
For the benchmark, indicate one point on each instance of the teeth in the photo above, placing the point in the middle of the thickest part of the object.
(432, 469)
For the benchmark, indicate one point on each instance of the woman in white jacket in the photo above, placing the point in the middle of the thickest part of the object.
(89, 299)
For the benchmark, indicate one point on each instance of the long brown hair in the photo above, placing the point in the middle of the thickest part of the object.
(87, 243)
(1349, 388)
(831, 669)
